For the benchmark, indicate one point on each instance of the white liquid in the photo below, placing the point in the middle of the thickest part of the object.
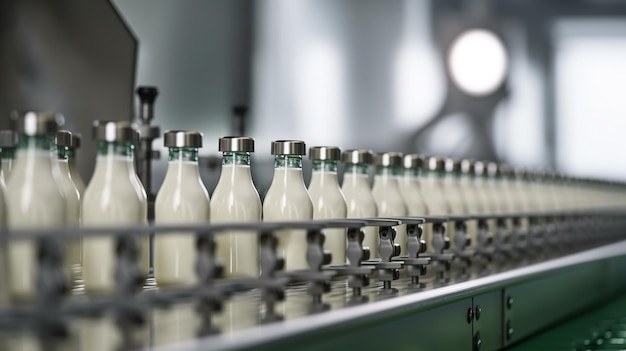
(287, 199)
(76, 178)
(235, 200)
(390, 203)
(432, 190)
(114, 197)
(412, 195)
(72, 217)
(329, 203)
(7, 165)
(36, 203)
(457, 206)
(360, 204)
(182, 199)
(4, 288)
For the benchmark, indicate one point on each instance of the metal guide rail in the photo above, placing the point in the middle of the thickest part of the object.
(518, 240)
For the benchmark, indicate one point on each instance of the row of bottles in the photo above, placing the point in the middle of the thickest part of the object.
(46, 192)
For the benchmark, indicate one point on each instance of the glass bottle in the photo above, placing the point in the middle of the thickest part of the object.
(409, 184)
(71, 162)
(386, 193)
(358, 193)
(36, 199)
(287, 199)
(236, 200)
(64, 141)
(328, 200)
(432, 190)
(113, 197)
(182, 199)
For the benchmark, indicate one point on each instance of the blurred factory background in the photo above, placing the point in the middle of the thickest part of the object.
(536, 84)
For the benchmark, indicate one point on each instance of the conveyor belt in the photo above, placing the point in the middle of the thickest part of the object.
(604, 328)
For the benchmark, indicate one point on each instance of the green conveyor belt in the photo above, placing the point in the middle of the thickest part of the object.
(603, 328)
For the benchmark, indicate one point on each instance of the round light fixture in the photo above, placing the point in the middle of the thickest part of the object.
(478, 62)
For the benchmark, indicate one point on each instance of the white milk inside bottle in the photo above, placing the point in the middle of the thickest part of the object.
(472, 197)
(114, 197)
(409, 184)
(288, 200)
(236, 200)
(182, 199)
(328, 200)
(4, 292)
(432, 190)
(64, 141)
(8, 143)
(358, 194)
(386, 193)
(35, 197)
(455, 199)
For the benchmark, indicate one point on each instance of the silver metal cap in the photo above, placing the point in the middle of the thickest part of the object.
(492, 168)
(436, 163)
(34, 123)
(479, 168)
(325, 153)
(182, 138)
(236, 144)
(9, 138)
(467, 166)
(67, 139)
(453, 165)
(505, 170)
(388, 159)
(288, 147)
(414, 161)
(360, 156)
(114, 131)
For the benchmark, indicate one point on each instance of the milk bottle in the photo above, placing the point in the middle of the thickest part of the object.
(287, 199)
(457, 204)
(114, 196)
(472, 197)
(64, 141)
(432, 190)
(71, 162)
(35, 197)
(182, 199)
(358, 194)
(8, 143)
(327, 198)
(386, 193)
(409, 185)
(236, 200)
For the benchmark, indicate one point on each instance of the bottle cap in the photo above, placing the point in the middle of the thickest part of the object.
(436, 163)
(288, 147)
(414, 161)
(236, 144)
(325, 153)
(453, 165)
(360, 156)
(505, 170)
(388, 159)
(467, 166)
(9, 138)
(479, 168)
(492, 168)
(111, 131)
(182, 138)
(34, 123)
(67, 139)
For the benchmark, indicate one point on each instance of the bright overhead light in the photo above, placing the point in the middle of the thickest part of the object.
(478, 62)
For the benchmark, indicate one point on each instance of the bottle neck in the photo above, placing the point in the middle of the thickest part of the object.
(320, 166)
(357, 169)
(7, 153)
(236, 159)
(62, 153)
(177, 154)
(412, 173)
(37, 142)
(288, 161)
(116, 148)
(387, 171)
